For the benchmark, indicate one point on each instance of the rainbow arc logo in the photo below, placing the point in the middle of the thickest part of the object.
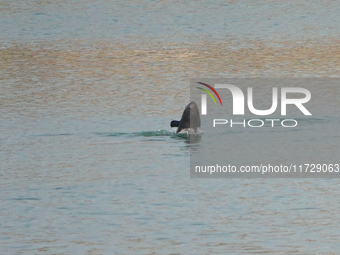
(209, 93)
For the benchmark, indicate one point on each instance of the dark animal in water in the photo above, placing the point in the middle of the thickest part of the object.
(190, 119)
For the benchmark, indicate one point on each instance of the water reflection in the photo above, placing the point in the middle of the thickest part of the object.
(109, 185)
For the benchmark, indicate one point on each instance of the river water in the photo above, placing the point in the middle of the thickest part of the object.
(89, 164)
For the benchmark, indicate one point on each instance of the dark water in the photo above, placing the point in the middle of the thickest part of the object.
(89, 164)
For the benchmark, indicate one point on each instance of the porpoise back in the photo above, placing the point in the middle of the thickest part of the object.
(190, 118)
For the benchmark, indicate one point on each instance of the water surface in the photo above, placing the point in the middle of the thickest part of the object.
(89, 164)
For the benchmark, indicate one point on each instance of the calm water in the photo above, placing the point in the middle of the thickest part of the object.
(89, 164)
(168, 21)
